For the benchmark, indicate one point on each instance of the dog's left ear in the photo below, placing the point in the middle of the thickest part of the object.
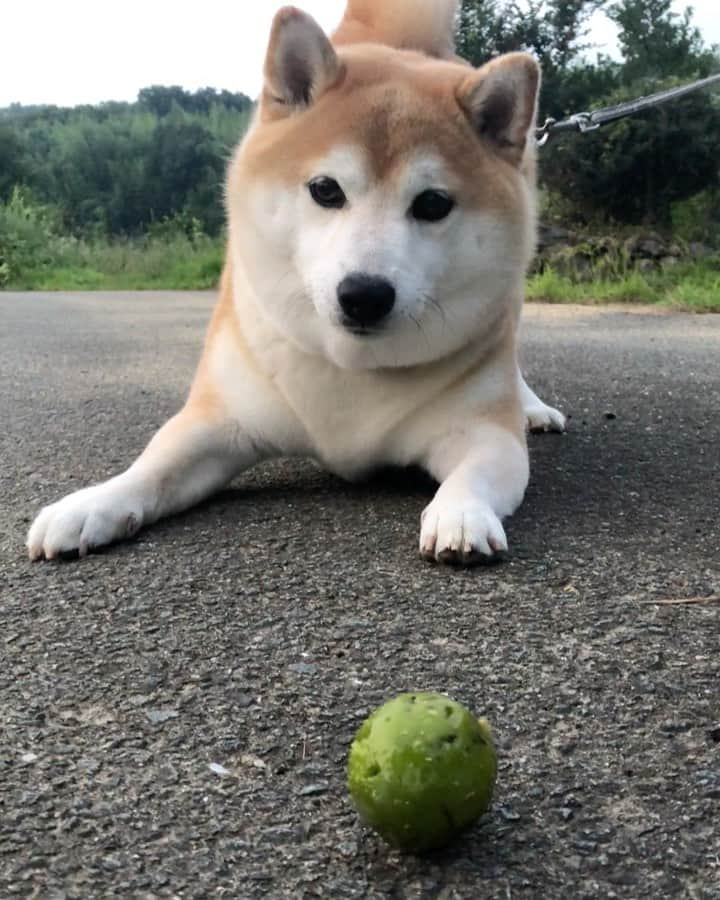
(300, 63)
(500, 99)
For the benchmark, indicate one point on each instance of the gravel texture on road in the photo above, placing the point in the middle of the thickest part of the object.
(175, 712)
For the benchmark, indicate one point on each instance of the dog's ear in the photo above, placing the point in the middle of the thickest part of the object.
(300, 63)
(500, 100)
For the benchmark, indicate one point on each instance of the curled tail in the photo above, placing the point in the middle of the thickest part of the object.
(424, 25)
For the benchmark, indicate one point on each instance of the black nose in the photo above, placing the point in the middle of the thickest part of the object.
(365, 299)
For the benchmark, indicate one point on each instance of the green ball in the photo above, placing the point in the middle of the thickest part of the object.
(421, 769)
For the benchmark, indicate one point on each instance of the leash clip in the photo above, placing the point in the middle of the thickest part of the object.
(584, 122)
(542, 135)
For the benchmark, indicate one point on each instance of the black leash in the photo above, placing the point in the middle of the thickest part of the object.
(589, 121)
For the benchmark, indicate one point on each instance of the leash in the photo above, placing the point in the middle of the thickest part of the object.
(591, 121)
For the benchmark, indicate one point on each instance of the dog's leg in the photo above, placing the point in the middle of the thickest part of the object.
(191, 456)
(483, 474)
(539, 416)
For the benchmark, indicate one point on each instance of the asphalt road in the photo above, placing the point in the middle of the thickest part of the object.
(257, 631)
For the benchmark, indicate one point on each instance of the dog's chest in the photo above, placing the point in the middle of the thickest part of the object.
(357, 421)
(351, 419)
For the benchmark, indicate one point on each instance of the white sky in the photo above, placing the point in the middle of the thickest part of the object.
(83, 51)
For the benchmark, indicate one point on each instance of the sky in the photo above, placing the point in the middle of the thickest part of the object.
(68, 52)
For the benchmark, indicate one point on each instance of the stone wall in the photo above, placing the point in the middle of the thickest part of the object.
(583, 257)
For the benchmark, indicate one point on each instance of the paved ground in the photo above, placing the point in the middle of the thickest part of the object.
(255, 633)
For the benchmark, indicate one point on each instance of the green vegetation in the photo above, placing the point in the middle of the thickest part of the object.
(117, 196)
(39, 255)
(130, 195)
(693, 286)
(118, 168)
(634, 171)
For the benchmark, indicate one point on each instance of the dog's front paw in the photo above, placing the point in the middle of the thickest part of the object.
(466, 533)
(85, 520)
(544, 418)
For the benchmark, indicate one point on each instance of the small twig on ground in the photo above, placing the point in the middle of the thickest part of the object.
(681, 601)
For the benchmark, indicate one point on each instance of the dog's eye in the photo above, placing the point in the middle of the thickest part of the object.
(327, 192)
(432, 206)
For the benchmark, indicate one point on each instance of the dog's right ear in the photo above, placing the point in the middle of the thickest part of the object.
(300, 63)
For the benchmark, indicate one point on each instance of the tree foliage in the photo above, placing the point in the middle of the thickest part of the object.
(12, 161)
(556, 31)
(657, 43)
(117, 168)
(635, 170)
(122, 168)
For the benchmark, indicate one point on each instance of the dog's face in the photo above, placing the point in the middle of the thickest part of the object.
(377, 206)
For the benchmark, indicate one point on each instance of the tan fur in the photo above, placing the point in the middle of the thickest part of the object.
(390, 104)
(280, 375)
(425, 25)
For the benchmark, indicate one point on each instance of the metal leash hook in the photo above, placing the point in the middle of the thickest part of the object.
(542, 135)
(586, 121)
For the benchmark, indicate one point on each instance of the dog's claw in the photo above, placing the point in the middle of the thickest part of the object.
(461, 536)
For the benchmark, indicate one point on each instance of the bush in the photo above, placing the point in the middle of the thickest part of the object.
(30, 237)
(34, 254)
(634, 171)
(698, 218)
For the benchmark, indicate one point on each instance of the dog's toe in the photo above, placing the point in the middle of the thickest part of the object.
(83, 521)
(466, 535)
(542, 418)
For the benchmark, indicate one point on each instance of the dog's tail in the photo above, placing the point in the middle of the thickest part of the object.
(424, 25)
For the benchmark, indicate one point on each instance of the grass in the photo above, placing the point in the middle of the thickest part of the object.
(176, 263)
(179, 262)
(693, 286)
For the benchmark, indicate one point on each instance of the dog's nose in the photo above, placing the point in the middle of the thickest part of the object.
(365, 299)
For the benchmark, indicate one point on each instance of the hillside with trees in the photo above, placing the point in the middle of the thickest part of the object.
(120, 175)
(117, 168)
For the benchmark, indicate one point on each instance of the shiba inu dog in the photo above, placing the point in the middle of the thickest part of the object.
(381, 217)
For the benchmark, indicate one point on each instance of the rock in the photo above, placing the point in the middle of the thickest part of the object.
(584, 258)
(645, 266)
(158, 716)
(646, 247)
(312, 790)
(552, 236)
(303, 668)
(573, 262)
(698, 250)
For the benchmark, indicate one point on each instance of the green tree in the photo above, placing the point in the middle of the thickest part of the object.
(635, 170)
(117, 168)
(556, 31)
(160, 100)
(184, 172)
(657, 42)
(13, 167)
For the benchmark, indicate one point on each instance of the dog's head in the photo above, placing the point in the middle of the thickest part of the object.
(380, 205)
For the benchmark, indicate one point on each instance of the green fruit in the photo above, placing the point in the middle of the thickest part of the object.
(421, 769)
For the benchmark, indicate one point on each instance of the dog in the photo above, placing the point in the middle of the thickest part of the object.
(381, 218)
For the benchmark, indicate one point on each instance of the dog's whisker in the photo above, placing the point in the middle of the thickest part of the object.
(422, 331)
(430, 301)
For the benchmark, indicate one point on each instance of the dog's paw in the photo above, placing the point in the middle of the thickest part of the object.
(83, 521)
(544, 418)
(461, 533)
